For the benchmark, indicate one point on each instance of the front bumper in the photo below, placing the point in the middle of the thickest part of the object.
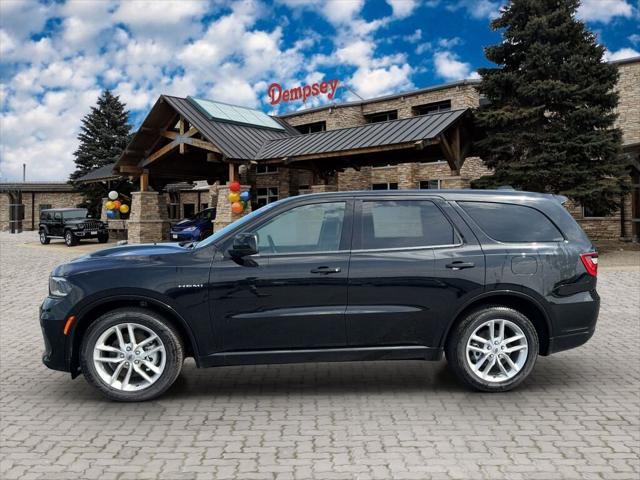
(55, 342)
(90, 233)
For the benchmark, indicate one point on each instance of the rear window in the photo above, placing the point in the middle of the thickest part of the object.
(506, 222)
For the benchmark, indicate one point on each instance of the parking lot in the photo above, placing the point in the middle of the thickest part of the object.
(577, 416)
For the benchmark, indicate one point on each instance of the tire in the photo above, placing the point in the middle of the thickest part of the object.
(466, 355)
(44, 239)
(70, 239)
(103, 238)
(167, 361)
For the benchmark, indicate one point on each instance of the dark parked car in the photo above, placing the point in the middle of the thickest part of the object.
(70, 224)
(490, 279)
(197, 227)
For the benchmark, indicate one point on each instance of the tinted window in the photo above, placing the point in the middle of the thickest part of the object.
(512, 223)
(404, 223)
(74, 214)
(308, 228)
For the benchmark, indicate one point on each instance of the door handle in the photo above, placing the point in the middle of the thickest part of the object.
(326, 270)
(460, 265)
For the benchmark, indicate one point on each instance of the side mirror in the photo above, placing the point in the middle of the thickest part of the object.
(244, 244)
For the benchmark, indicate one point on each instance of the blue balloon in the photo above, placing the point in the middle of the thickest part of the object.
(245, 196)
(111, 214)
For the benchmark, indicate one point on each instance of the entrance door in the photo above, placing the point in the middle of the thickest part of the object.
(410, 269)
(293, 293)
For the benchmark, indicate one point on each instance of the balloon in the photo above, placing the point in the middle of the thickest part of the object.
(234, 197)
(124, 208)
(113, 195)
(234, 186)
(237, 207)
(245, 196)
(109, 205)
(111, 214)
(116, 205)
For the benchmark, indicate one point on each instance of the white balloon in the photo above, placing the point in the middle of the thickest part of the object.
(113, 195)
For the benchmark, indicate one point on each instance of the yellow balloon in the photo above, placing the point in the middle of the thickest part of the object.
(124, 208)
(109, 205)
(234, 197)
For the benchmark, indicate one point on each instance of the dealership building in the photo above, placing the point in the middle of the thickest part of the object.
(188, 150)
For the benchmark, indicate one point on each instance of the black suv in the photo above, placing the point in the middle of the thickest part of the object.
(491, 279)
(71, 224)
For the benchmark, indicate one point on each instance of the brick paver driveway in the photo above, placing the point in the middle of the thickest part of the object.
(576, 417)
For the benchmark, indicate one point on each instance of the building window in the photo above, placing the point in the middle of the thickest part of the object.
(433, 107)
(384, 186)
(262, 168)
(312, 127)
(189, 210)
(204, 206)
(173, 207)
(430, 184)
(43, 206)
(266, 195)
(593, 211)
(382, 116)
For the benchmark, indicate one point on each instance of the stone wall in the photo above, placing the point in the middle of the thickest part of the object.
(148, 221)
(35, 200)
(629, 104)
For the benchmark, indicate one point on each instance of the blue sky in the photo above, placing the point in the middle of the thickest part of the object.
(56, 56)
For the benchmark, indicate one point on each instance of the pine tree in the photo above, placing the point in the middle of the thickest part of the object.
(103, 136)
(549, 123)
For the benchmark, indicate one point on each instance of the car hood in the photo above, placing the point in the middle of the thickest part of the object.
(115, 256)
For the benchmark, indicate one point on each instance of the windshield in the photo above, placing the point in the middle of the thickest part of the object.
(238, 223)
(74, 214)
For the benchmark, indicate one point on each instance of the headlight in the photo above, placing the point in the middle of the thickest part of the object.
(80, 226)
(190, 229)
(59, 287)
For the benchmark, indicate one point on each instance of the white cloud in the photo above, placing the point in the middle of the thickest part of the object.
(621, 54)
(369, 82)
(449, 67)
(478, 9)
(604, 10)
(337, 12)
(634, 38)
(402, 8)
(415, 37)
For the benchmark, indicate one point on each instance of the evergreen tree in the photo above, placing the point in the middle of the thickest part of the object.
(104, 135)
(548, 126)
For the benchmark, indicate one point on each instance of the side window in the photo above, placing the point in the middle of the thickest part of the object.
(57, 216)
(404, 224)
(507, 222)
(308, 228)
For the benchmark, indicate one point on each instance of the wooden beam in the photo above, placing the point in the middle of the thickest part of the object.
(130, 169)
(233, 172)
(196, 142)
(181, 123)
(449, 154)
(144, 181)
(158, 153)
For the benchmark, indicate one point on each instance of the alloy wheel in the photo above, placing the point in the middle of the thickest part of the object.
(129, 357)
(497, 350)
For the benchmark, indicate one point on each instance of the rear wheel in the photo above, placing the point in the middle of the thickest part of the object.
(70, 239)
(131, 355)
(44, 239)
(493, 349)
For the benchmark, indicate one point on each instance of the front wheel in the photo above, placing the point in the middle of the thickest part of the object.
(131, 355)
(493, 349)
(103, 237)
(70, 239)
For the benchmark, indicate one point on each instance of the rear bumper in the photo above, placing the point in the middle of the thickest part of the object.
(575, 319)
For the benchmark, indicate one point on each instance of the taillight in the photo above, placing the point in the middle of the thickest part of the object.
(590, 262)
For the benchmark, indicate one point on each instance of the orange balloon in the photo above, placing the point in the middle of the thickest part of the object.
(234, 186)
(116, 205)
(237, 207)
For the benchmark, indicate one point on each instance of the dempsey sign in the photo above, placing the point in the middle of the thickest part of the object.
(277, 94)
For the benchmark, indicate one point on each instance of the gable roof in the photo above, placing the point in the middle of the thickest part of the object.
(391, 132)
(99, 174)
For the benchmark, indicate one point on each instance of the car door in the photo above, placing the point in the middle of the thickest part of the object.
(57, 224)
(293, 293)
(412, 264)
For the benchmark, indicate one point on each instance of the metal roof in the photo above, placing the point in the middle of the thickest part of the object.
(392, 132)
(236, 141)
(36, 187)
(99, 174)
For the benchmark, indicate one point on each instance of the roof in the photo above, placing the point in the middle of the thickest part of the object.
(36, 187)
(622, 61)
(99, 174)
(392, 132)
(443, 86)
(236, 141)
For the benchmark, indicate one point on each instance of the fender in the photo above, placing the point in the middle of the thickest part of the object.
(151, 297)
(504, 290)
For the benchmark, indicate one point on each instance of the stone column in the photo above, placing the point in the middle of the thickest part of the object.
(148, 221)
(407, 176)
(224, 215)
(103, 210)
